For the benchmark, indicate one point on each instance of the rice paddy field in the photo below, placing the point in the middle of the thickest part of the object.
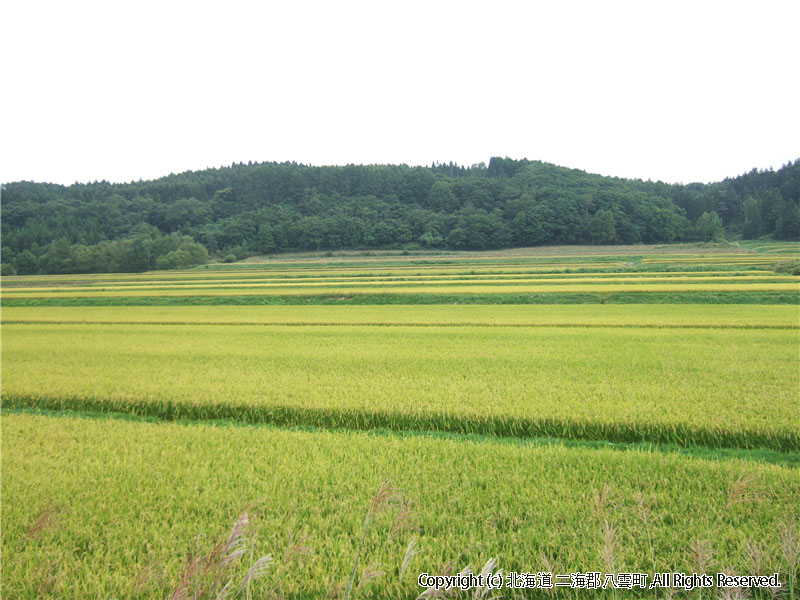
(363, 419)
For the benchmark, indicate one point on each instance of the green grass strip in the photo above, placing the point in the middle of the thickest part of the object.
(758, 455)
(401, 324)
(380, 299)
(358, 419)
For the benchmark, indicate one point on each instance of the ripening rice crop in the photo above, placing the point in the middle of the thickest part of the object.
(401, 288)
(295, 415)
(516, 280)
(147, 280)
(665, 315)
(720, 387)
(99, 508)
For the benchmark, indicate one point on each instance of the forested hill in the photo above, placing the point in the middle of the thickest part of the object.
(242, 210)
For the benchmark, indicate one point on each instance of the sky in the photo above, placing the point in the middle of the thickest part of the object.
(673, 91)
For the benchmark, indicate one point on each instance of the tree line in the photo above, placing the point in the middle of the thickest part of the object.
(233, 212)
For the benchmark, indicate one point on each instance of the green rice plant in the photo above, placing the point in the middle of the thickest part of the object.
(609, 315)
(680, 386)
(138, 494)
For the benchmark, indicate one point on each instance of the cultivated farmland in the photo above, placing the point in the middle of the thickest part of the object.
(628, 409)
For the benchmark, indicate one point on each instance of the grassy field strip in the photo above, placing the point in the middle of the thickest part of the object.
(403, 324)
(584, 253)
(512, 285)
(213, 277)
(523, 315)
(774, 251)
(460, 280)
(415, 282)
(448, 288)
(683, 386)
(351, 267)
(242, 272)
(776, 248)
(755, 260)
(712, 260)
(788, 459)
(145, 492)
(144, 281)
(356, 266)
(711, 257)
(573, 257)
(424, 299)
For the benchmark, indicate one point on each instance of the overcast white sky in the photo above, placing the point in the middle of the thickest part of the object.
(677, 91)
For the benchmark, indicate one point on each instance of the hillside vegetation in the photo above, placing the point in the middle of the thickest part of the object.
(243, 210)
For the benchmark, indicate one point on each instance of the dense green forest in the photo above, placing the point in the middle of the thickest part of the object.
(242, 210)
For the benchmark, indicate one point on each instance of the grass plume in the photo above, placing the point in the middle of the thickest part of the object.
(386, 495)
(203, 575)
(789, 546)
(411, 551)
(601, 499)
